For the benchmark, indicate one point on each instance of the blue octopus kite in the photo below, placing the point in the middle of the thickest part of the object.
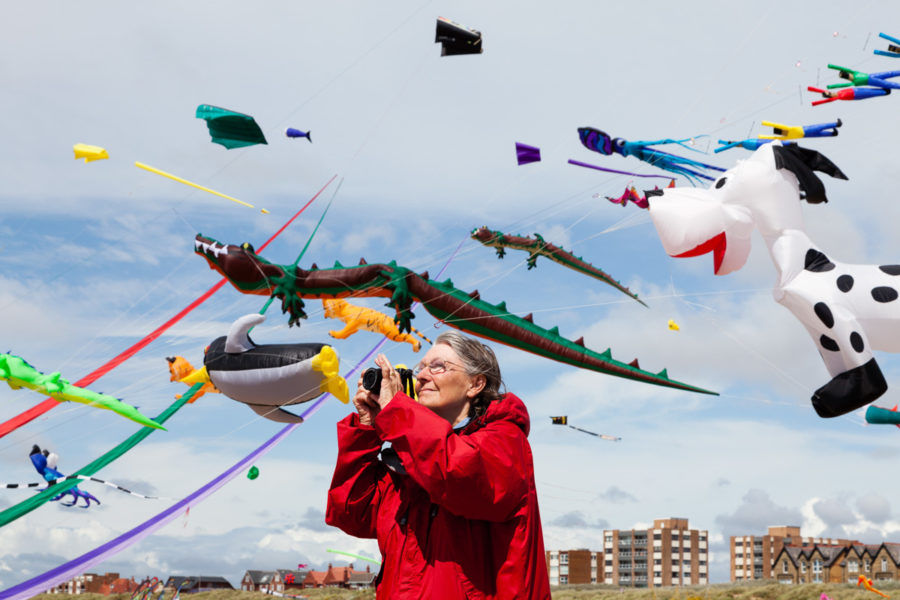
(45, 463)
(599, 141)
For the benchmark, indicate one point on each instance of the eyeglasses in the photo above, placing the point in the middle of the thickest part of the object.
(436, 367)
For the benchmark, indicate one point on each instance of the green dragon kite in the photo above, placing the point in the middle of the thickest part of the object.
(18, 374)
(537, 246)
(251, 274)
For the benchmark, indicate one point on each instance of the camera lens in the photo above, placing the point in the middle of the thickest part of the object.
(372, 380)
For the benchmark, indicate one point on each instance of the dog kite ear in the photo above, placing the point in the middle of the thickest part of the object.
(803, 163)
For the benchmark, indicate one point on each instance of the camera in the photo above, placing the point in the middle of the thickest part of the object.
(372, 378)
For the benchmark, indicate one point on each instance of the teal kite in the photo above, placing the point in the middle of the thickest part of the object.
(229, 128)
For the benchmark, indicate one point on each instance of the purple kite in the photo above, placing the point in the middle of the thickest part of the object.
(527, 154)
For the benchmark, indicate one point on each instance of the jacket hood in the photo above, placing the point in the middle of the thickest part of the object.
(508, 408)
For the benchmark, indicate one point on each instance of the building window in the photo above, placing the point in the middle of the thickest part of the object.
(884, 564)
(563, 579)
(657, 536)
(803, 566)
(853, 567)
(817, 571)
(563, 558)
(784, 568)
(607, 538)
(868, 565)
(608, 562)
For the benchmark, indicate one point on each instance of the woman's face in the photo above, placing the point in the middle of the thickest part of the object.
(449, 393)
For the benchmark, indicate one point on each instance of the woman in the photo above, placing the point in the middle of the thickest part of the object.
(452, 502)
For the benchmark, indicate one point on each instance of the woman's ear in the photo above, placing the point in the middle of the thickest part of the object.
(476, 385)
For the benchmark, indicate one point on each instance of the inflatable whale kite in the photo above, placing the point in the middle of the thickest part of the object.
(270, 376)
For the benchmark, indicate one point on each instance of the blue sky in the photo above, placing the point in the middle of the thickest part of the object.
(97, 255)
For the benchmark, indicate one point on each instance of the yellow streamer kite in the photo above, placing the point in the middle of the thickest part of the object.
(194, 185)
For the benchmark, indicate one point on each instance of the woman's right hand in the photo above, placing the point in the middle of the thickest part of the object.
(366, 404)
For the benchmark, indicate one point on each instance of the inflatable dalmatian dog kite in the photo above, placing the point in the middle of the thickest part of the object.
(849, 310)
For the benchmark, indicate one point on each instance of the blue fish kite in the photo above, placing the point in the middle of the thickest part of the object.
(296, 133)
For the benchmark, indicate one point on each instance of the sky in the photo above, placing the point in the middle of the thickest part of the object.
(95, 256)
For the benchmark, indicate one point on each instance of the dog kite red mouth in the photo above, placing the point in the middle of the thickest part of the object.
(716, 245)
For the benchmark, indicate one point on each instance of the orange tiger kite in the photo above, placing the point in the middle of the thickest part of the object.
(358, 318)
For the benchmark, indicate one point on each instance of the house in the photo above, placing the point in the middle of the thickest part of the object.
(119, 586)
(753, 556)
(337, 576)
(361, 579)
(89, 583)
(315, 579)
(191, 584)
(261, 581)
(837, 563)
(291, 578)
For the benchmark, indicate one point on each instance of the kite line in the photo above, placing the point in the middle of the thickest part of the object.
(39, 409)
(79, 565)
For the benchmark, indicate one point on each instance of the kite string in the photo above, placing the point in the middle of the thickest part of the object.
(314, 407)
(36, 411)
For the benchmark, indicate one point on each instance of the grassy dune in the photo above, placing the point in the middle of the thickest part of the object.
(722, 591)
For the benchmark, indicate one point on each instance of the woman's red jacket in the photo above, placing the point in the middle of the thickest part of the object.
(459, 518)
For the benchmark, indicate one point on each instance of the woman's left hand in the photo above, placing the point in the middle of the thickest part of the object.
(390, 380)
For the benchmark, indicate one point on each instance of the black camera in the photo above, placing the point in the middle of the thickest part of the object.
(372, 378)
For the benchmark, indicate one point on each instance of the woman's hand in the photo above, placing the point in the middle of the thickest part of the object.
(366, 404)
(390, 381)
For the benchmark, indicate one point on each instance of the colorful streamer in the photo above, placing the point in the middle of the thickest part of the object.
(29, 504)
(79, 565)
(39, 409)
(141, 165)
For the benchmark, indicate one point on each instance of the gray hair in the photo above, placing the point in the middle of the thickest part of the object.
(477, 359)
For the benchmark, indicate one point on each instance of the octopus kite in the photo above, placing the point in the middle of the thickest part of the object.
(358, 318)
(251, 274)
(18, 374)
(690, 169)
(537, 246)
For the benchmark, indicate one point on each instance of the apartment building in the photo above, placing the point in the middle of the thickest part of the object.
(573, 566)
(669, 554)
(753, 557)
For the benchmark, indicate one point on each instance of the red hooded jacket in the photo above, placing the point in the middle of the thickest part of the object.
(459, 518)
